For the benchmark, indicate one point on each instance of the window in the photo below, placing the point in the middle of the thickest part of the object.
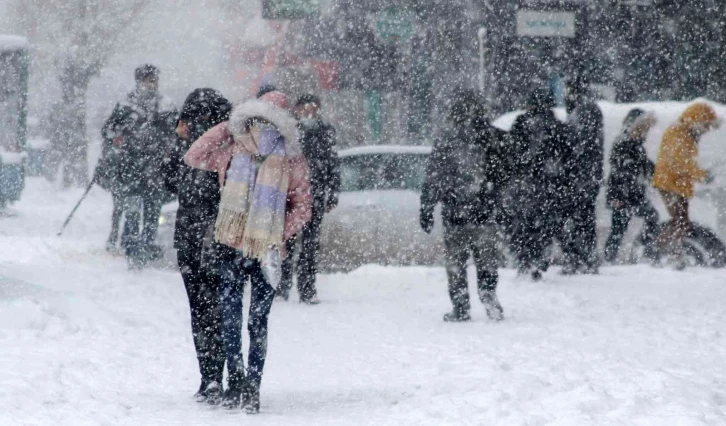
(383, 172)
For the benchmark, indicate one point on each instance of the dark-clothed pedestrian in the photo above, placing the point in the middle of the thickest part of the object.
(587, 142)
(265, 200)
(198, 194)
(466, 172)
(317, 140)
(630, 173)
(138, 136)
(539, 182)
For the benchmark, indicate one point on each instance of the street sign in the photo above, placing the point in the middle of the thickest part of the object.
(534, 23)
(289, 9)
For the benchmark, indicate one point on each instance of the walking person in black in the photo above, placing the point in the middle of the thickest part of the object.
(198, 195)
(586, 125)
(317, 140)
(630, 172)
(140, 133)
(466, 173)
(539, 181)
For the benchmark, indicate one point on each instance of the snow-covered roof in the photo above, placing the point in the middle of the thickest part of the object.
(385, 149)
(12, 42)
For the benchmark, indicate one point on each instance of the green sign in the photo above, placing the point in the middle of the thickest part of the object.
(395, 22)
(289, 9)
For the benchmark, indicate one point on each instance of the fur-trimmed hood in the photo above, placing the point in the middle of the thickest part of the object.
(285, 123)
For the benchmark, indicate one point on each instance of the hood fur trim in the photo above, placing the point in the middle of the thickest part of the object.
(285, 123)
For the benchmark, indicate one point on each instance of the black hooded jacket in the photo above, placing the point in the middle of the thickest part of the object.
(146, 122)
(318, 145)
(466, 172)
(197, 190)
(630, 172)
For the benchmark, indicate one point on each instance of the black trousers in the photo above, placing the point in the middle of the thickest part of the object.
(140, 231)
(532, 232)
(118, 211)
(460, 242)
(580, 248)
(202, 286)
(620, 220)
(307, 263)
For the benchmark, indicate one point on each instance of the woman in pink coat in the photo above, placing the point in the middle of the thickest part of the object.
(265, 200)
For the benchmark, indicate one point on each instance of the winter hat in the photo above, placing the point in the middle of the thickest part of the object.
(264, 89)
(146, 71)
(276, 98)
(308, 98)
(632, 116)
(205, 104)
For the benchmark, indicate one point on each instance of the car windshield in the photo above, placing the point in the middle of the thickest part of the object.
(382, 172)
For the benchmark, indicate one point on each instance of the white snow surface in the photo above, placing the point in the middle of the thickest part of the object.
(8, 41)
(83, 341)
(385, 149)
(7, 157)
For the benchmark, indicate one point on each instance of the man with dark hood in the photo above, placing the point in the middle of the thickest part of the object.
(541, 154)
(466, 172)
(317, 140)
(198, 195)
(586, 125)
(138, 136)
(630, 173)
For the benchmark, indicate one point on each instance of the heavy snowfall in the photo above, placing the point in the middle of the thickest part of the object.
(296, 212)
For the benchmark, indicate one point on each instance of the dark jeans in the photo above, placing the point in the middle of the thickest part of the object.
(307, 264)
(459, 243)
(202, 285)
(581, 237)
(620, 220)
(137, 233)
(532, 232)
(671, 236)
(234, 271)
(118, 211)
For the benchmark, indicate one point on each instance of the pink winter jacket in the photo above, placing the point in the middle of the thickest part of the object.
(213, 152)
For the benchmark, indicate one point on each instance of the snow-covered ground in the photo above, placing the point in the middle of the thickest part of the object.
(85, 342)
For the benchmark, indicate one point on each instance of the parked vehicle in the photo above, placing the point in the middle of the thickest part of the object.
(13, 116)
(376, 220)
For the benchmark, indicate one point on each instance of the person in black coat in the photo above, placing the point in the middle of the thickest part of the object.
(198, 195)
(466, 172)
(587, 140)
(630, 171)
(540, 179)
(138, 137)
(317, 140)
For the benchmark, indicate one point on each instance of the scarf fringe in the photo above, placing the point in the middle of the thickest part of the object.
(226, 231)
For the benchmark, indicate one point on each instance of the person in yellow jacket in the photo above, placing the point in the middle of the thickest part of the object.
(677, 171)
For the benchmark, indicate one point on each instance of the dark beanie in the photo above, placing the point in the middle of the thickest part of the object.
(265, 89)
(146, 71)
(205, 105)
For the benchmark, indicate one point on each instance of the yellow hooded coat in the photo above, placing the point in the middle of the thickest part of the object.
(677, 169)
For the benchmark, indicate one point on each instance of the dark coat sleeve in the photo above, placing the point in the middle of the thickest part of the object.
(434, 184)
(333, 163)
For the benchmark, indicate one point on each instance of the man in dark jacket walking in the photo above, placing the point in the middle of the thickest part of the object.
(317, 140)
(586, 125)
(139, 134)
(630, 171)
(198, 195)
(540, 179)
(466, 172)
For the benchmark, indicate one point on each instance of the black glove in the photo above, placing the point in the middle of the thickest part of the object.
(427, 221)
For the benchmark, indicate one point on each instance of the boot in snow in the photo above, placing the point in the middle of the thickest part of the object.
(457, 315)
(536, 275)
(491, 303)
(251, 400)
(231, 398)
(208, 392)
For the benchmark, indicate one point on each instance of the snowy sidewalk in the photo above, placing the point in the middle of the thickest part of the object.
(85, 342)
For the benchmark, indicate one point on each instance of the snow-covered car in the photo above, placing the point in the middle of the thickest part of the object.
(377, 219)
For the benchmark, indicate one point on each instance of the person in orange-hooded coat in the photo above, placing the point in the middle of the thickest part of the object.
(677, 171)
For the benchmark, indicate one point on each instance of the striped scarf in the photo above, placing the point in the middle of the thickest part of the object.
(251, 214)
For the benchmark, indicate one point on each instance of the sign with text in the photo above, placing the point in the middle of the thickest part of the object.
(534, 23)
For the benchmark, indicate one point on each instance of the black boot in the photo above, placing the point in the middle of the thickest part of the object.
(209, 392)
(251, 400)
(457, 315)
(231, 398)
